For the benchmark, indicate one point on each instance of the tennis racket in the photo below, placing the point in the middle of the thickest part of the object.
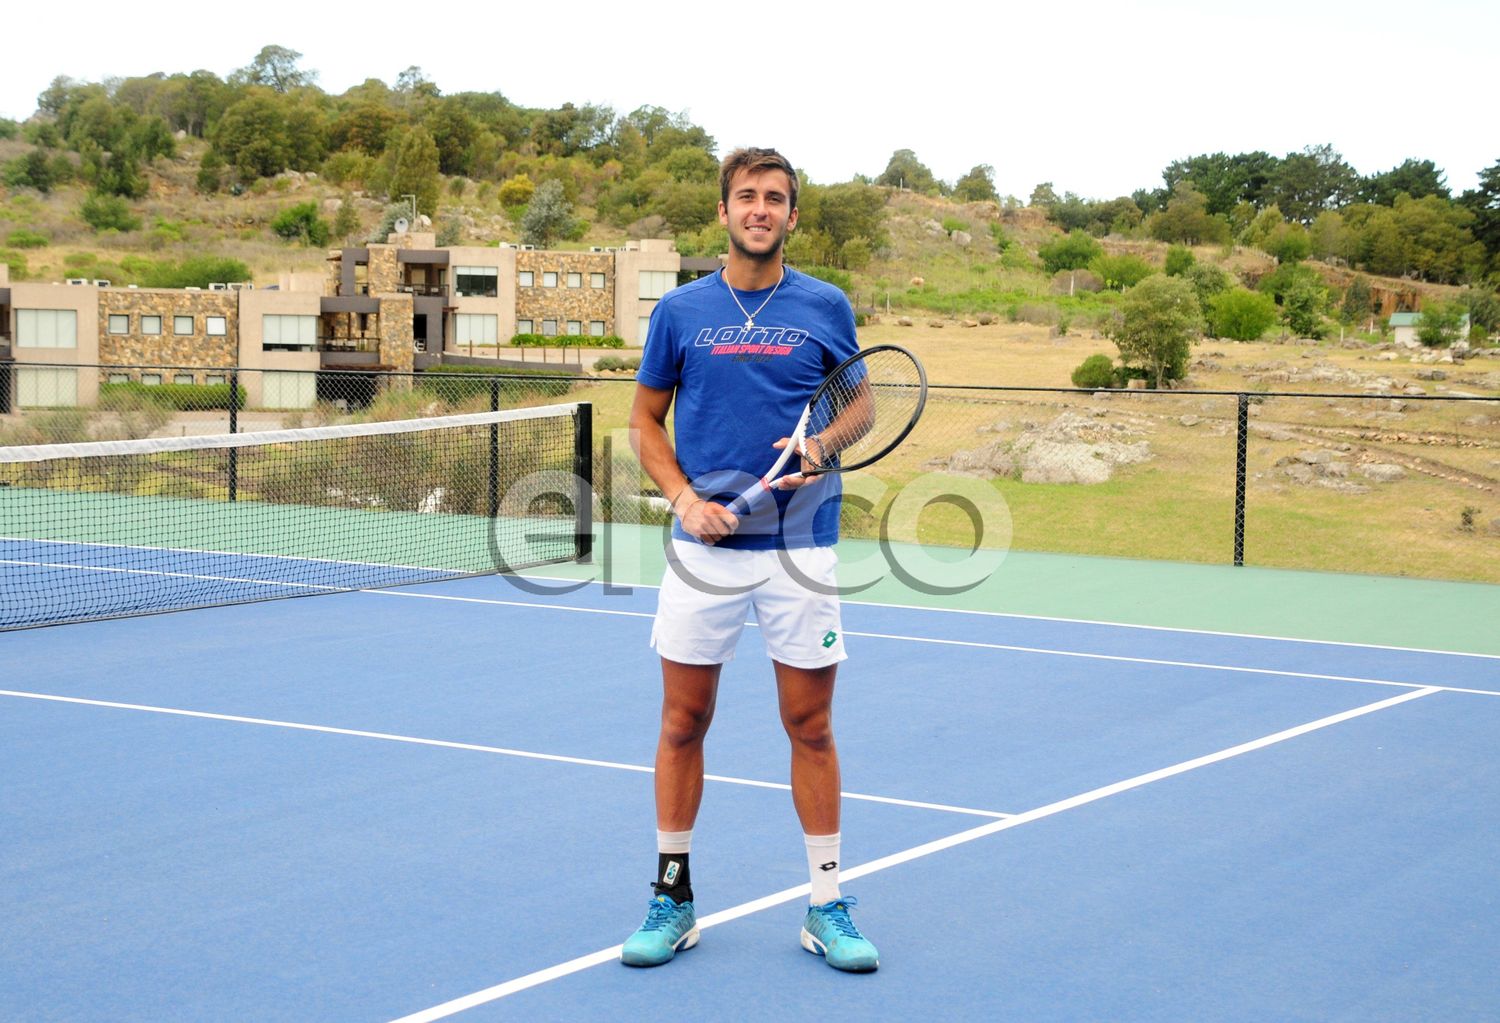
(858, 414)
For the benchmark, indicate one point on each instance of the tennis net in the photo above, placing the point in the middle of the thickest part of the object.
(117, 528)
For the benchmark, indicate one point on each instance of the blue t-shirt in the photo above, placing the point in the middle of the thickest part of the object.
(739, 390)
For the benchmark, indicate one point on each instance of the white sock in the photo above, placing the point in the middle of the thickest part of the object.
(674, 841)
(823, 866)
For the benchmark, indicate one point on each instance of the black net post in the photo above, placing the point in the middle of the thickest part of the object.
(583, 474)
(1241, 440)
(494, 481)
(234, 427)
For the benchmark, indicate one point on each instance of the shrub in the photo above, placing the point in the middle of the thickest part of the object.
(1095, 371)
(1240, 315)
(301, 222)
(610, 363)
(23, 239)
(951, 224)
(1121, 272)
(567, 341)
(108, 213)
(1070, 252)
(181, 397)
(1179, 259)
(196, 272)
(838, 278)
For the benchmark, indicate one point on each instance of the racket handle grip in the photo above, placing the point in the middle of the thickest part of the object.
(740, 506)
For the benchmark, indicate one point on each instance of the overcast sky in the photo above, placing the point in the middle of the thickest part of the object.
(1096, 97)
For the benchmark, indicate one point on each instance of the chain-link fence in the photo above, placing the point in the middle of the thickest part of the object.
(1389, 483)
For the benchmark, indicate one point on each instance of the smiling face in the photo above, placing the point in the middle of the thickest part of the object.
(758, 213)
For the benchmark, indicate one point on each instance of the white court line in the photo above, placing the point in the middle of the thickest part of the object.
(510, 987)
(179, 575)
(653, 586)
(1077, 621)
(475, 747)
(1045, 651)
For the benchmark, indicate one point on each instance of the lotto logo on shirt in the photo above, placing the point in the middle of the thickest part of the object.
(737, 340)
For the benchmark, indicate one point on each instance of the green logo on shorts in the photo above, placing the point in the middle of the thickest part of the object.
(829, 638)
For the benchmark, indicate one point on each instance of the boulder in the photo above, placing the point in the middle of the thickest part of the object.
(1382, 472)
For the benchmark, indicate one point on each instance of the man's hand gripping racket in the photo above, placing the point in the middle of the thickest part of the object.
(859, 414)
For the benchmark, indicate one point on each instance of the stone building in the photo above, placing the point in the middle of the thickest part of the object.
(377, 308)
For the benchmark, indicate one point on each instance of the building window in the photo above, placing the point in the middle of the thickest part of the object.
(575, 280)
(523, 326)
(151, 379)
(656, 283)
(288, 333)
(549, 328)
(549, 278)
(526, 278)
(151, 326)
(46, 388)
(216, 326)
(182, 325)
(575, 328)
(119, 324)
(46, 328)
(119, 378)
(476, 329)
(289, 390)
(596, 328)
(642, 328)
(183, 378)
(596, 280)
(477, 281)
(215, 378)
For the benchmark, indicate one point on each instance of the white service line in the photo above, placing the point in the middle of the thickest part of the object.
(604, 955)
(1044, 651)
(474, 747)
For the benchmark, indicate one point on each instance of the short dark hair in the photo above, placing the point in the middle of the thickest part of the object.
(753, 159)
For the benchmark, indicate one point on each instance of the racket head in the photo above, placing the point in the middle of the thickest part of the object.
(863, 409)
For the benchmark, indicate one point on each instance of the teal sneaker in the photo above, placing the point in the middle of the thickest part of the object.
(827, 931)
(668, 928)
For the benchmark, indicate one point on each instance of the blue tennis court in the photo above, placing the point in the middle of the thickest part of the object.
(435, 802)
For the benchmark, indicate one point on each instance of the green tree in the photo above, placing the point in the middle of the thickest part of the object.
(276, 67)
(346, 220)
(1240, 315)
(1288, 243)
(366, 128)
(1154, 326)
(1207, 281)
(1415, 178)
(1302, 306)
(1225, 181)
(33, 170)
(1483, 204)
(1310, 181)
(1358, 300)
(1441, 323)
(252, 137)
(1043, 196)
(547, 217)
(976, 186)
(1186, 219)
(414, 170)
(904, 170)
(1439, 245)
(1072, 251)
(515, 191)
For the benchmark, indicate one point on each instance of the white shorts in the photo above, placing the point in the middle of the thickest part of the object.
(797, 609)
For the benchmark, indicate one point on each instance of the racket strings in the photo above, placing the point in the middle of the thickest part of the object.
(864, 409)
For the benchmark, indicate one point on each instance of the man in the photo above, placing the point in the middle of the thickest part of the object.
(741, 351)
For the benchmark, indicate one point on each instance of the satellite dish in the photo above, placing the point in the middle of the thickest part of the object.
(401, 225)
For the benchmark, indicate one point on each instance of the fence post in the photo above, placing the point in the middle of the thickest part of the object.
(234, 427)
(1241, 439)
(494, 481)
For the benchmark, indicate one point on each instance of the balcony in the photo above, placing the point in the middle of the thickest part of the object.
(366, 343)
(426, 290)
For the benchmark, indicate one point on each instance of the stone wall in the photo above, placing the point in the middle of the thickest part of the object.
(168, 348)
(395, 346)
(563, 303)
(384, 271)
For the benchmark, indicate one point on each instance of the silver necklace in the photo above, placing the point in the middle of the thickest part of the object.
(749, 316)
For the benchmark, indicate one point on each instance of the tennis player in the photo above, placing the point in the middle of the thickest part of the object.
(740, 352)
